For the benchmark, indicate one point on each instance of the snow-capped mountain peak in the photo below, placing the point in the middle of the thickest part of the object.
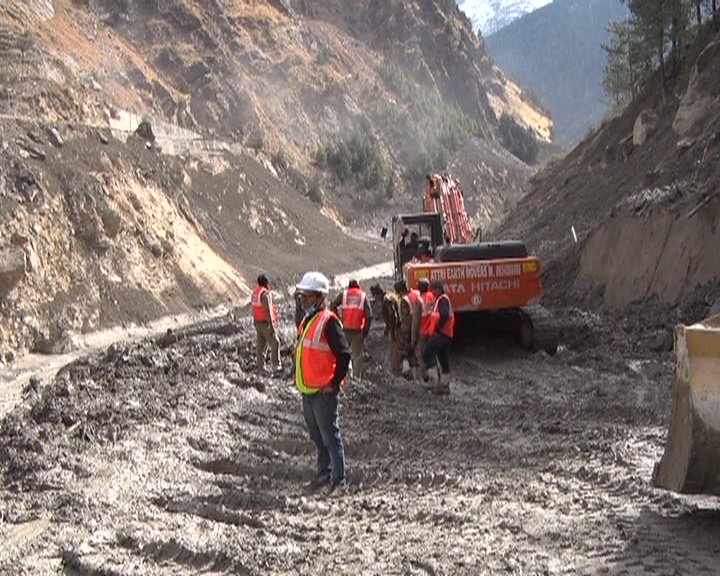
(488, 16)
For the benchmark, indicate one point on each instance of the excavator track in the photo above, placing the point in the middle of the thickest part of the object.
(533, 327)
(538, 329)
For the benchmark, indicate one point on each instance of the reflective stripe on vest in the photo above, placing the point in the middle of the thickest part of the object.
(353, 309)
(427, 301)
(449, 327)
(314, 361)
(257, 305)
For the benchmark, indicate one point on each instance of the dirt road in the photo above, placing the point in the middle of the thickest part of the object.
(179, 460)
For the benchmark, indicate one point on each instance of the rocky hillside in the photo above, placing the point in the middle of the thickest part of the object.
(642, 195)
(154, 157)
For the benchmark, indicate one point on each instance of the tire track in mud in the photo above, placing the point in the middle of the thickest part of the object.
(531, 466)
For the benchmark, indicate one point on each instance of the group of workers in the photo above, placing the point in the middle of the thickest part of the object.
(419, 324)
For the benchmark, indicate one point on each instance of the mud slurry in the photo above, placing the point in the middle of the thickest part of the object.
(180, 460)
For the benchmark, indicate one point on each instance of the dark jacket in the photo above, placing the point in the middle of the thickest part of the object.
(444, 310)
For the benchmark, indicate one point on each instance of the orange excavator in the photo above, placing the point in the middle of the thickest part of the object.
(498, 279)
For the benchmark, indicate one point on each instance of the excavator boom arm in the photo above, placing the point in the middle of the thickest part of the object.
(444, 196)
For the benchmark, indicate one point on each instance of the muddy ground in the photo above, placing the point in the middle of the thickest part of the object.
(158, 458)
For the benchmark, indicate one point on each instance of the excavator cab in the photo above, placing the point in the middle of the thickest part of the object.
(413, 234)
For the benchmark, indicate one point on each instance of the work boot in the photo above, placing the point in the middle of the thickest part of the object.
(443, 385)
(415, 374)
(319, 482)
(433, 379)
(406, 372)
(336, 490)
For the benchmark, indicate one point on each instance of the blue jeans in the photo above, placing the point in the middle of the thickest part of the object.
(437, 347)
(322, 416)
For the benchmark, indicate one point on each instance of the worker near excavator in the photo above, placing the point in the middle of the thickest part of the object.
(356, 316)
(437, 347)
(322, 358)
(422, 309)
(424, 252)
(390, 306)
(404, 340)
(265, 319)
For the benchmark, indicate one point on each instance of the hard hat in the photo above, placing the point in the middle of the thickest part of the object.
(313, 282)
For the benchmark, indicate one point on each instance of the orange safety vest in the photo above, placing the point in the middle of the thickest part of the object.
(449, 327)
(257, 305)
(427, 300)
(414, 296)
(353, 309)
(314, 360)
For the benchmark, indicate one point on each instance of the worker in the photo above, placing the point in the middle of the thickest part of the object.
(390, 303)
(356, 316)
(424, 253)
(404, 332)
(414, 242)
(437, 347)
(423, 301)
(265, 319)
(299, 312)
(322, 358)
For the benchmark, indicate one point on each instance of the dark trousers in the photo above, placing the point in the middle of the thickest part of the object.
(322, 417)
(437, 348)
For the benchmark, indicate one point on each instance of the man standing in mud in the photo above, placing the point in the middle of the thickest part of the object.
(356, 316)
(422, 309)
(322, 358)
(404, 332)
(299, 312)
(437, 347)
(265, 318)
(390, 303)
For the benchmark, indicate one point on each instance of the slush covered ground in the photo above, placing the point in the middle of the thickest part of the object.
(173, 457)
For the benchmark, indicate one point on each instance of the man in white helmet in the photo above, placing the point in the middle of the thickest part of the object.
(322, 358)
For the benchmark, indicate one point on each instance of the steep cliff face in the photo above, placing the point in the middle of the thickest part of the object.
(108, 220)
(297, 73)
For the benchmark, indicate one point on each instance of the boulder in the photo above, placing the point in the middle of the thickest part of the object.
(12, 268)
(700, 96)
(145, 131)
(645, 125)
(112, 222)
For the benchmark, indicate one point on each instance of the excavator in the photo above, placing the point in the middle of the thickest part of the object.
(690, 463)
(499, 281)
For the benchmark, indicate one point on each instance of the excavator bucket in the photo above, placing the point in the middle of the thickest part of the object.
(691, 462)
